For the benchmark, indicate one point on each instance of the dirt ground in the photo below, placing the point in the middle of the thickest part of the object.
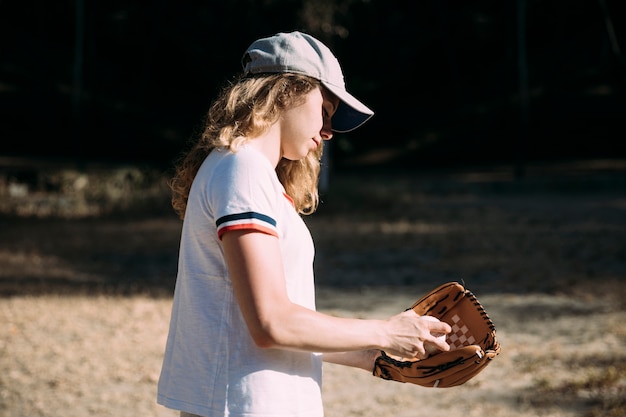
(85, 303)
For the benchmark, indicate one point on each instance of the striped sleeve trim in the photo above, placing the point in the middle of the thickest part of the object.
(246, 221)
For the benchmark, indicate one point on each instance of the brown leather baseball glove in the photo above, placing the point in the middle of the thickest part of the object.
(473, 343)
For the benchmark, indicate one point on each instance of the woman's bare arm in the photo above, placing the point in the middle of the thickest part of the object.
(255, 266)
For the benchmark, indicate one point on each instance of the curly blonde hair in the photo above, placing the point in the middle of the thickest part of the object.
(243, 110)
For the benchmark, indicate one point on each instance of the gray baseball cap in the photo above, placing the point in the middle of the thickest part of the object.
(300, 53)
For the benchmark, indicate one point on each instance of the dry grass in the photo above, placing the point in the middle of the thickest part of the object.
(85, 299)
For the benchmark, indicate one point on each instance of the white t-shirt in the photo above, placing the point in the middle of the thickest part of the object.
(211, 365)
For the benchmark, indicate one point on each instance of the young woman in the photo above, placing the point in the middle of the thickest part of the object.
(245, 338)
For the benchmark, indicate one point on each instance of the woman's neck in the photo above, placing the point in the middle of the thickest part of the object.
(268, 144)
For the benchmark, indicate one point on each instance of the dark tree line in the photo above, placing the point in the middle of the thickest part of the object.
(450, 81)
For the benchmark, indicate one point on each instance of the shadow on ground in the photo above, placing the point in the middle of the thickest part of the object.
(561, 227)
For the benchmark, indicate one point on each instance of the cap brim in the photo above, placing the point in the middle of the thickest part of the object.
(351, 113)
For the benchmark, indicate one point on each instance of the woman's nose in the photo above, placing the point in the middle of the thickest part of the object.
(327, 130)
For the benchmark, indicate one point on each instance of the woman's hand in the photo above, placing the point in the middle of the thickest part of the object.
(407, 333)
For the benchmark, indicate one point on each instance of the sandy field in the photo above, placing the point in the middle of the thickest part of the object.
(85, 303)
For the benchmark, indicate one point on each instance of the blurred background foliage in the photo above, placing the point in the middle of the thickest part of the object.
(451, 82)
